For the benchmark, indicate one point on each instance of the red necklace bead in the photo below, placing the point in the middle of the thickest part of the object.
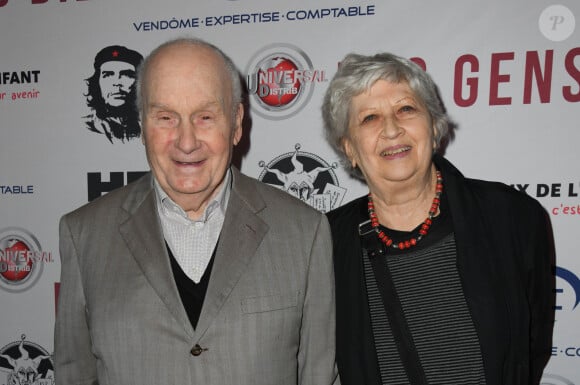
(424, 226)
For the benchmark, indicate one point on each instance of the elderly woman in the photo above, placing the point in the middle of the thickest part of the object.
(440, 279)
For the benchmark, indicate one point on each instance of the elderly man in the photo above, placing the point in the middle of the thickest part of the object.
(111, 94)
(194, 274)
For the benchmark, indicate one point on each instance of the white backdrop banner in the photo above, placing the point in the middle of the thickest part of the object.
(508, 72)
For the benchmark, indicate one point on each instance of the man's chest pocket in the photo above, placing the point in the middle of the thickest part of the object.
(269, 303)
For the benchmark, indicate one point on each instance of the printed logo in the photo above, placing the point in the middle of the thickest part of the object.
(19, 79)
(111, 94)
(554, 379)
(16, 189)
(557, 23)
(25, 363)
(21, 259)
(281, 81)
(570, 300)
(96, 186)
(573, 281)
(4, 2)
(568, 191)
(305, 176)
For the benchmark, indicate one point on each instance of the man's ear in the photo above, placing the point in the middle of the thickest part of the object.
(237, 134)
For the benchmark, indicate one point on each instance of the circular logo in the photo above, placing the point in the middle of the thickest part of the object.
(277, 87)
(305, 176)
(557, 23)
(281, 81)
(26, 363)
(20, 259)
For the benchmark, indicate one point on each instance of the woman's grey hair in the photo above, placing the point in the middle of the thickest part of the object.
(357, 74)
(186, 41)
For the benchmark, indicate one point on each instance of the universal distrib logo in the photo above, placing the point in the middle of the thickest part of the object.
(25, 363)
(306, 176)
(281, 80)
(21, 259)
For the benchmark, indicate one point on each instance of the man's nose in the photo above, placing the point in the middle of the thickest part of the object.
(187, 140)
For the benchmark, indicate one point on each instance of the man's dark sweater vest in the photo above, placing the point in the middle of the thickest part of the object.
(192, 294)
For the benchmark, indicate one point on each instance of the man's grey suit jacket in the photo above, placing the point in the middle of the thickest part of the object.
(268, 315)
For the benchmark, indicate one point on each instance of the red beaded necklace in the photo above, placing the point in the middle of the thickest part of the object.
(424, 227)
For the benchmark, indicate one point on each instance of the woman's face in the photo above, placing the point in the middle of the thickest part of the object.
(390, 135)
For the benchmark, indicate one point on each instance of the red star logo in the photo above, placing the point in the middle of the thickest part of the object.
(115, 53)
